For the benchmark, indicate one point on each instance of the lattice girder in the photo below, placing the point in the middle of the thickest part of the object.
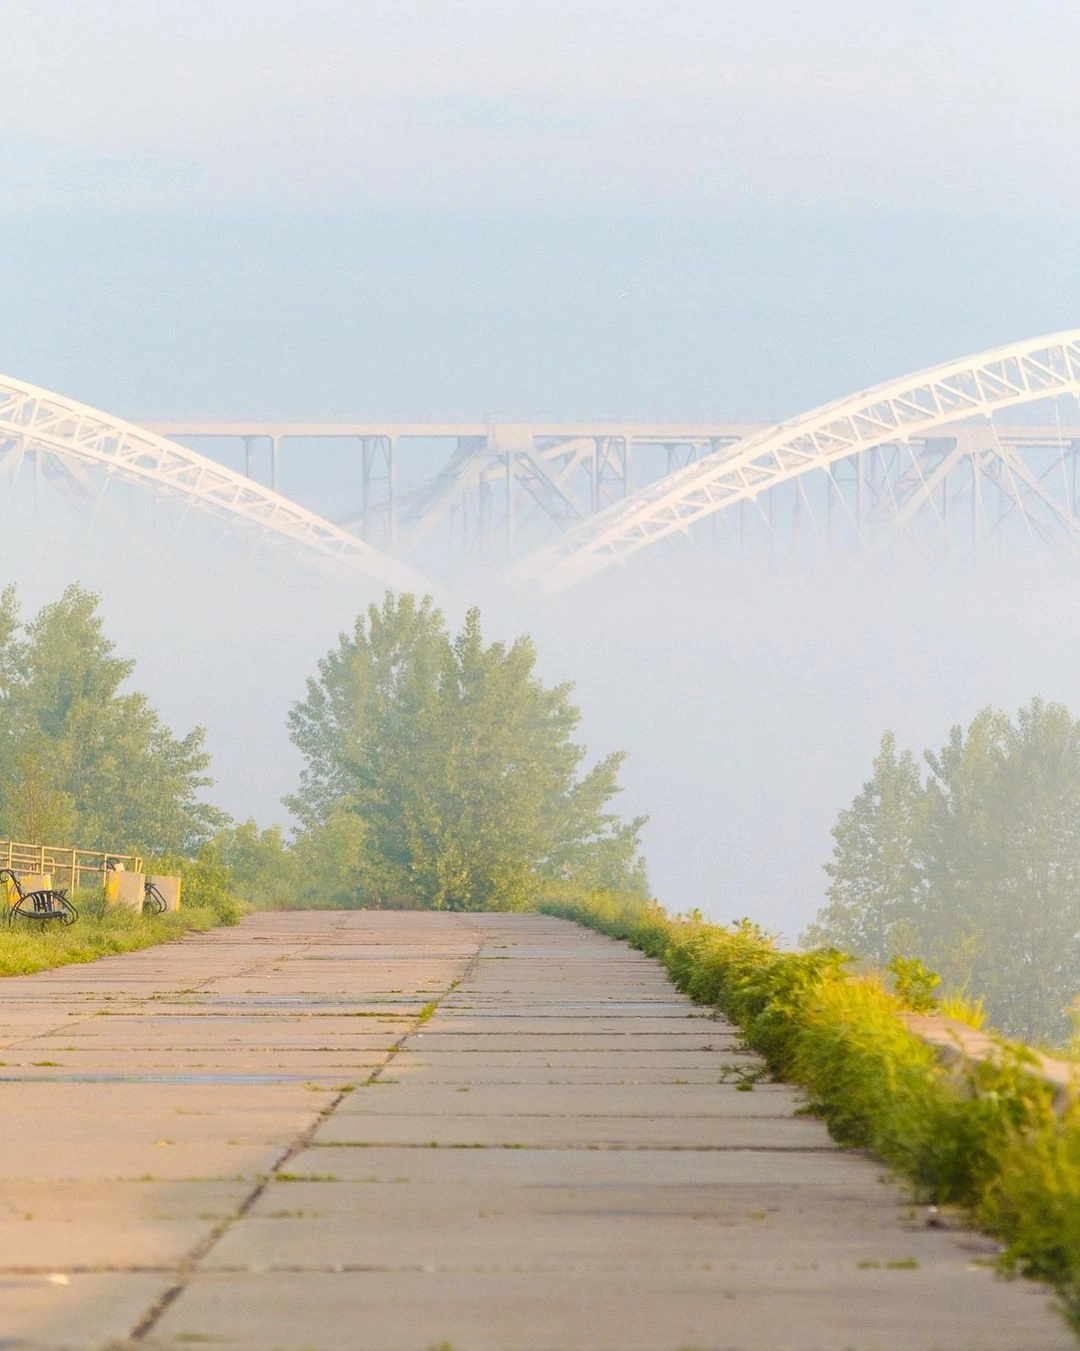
(888, 413)
(33, 419)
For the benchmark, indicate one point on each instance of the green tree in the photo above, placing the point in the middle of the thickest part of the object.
(328, 865)
(262, 868)
(9, 628)
(32, 803)
(977, 872)
(876, 887)
(1003, 865)
(460, 764)
(335, 865)
(370, 692)
(82, 760)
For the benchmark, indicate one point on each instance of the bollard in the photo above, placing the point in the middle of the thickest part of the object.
(125, 889)
(169, 887)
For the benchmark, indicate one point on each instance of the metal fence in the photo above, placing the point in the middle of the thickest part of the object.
(71, 868)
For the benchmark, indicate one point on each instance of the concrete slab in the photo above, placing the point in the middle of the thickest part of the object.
(276, 1029)
(431, 1052)
(52, 1104)
(481, 1006)
(401, 1226)
(615, 1311)
(315, 1065)
(84, 1311)
(833, 1204)
(435, 1070)
(175, 1120)
(67, 1226)
(512, 1043)
(592, 1023)
(576, 1167)
(478, 1240)
(543, 1098)
(575, 1132)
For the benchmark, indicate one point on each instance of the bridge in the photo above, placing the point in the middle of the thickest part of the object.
(975, 456)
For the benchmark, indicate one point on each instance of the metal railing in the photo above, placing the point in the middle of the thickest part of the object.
(69, 868)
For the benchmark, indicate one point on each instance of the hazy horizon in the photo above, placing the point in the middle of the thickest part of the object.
(750, 716)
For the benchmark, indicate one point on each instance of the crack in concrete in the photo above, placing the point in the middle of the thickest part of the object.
(188, 1267)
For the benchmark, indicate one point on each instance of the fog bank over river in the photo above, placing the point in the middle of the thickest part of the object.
(750, 708)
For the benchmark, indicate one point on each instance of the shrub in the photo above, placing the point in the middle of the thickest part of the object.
(981, 1135)
(914, 983)
(1033, 1203)
(206, 884)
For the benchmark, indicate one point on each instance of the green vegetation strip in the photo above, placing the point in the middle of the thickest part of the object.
(100, 931)
(982, 1136)
(25, 949)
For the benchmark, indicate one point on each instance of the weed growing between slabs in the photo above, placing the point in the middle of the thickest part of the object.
(983, 1136)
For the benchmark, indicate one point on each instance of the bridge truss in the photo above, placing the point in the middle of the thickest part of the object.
(487, 491)
(907, 442)
(89, 448)
(977, 455)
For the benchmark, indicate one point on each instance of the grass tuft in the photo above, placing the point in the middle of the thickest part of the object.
(98, 932)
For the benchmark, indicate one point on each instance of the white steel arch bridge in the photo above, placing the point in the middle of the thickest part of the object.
(924, 407)
(940, 453)
(89, 446)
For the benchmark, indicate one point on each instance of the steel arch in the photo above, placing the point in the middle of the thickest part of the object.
(1001, 378)
(80, 437)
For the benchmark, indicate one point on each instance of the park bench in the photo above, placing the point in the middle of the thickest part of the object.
(43, 905)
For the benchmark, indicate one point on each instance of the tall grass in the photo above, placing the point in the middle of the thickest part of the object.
(981, 1135)
(27, 946)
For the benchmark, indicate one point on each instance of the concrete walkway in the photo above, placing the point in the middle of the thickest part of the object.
(395, 1132)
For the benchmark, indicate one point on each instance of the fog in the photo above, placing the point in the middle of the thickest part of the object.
(750, 706)
(750, 709)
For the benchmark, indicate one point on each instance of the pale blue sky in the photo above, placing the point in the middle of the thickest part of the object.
(463, 207)
(465, 314)
(907, 105)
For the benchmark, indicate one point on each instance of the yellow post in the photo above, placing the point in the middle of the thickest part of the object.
(112, 886)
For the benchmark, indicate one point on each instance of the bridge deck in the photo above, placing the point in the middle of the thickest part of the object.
(182, 1163)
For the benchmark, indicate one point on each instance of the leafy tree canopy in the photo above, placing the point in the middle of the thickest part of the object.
(327, 864)
(972, 864)
(875, 876)
(459, 763)
(82, 760)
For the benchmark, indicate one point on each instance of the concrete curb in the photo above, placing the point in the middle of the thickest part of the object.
(955, 1041)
